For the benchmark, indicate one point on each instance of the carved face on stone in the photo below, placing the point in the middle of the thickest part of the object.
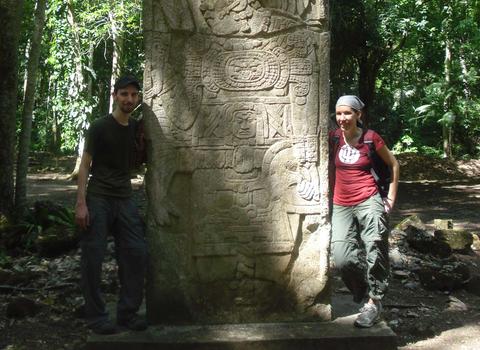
(244, 123)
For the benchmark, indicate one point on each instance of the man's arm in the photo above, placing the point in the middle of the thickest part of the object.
(81, 211)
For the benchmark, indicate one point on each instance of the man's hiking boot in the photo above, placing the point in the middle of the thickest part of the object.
(134, 323)
(104, 328)
(369, 315)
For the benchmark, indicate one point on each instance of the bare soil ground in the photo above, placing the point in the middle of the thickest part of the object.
(422, 319)
(437, 320)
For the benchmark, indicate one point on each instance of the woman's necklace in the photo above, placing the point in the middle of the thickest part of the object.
(353, 140)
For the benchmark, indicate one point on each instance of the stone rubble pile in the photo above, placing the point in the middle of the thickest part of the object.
(430, 259)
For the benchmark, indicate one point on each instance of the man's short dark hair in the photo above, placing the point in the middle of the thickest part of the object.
(124, 81)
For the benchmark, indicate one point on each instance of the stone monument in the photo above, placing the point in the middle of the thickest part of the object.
(236, 110)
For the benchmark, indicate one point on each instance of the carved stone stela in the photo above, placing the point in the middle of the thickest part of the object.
(236, 110)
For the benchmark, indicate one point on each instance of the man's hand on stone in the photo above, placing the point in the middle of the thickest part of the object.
(162, 213)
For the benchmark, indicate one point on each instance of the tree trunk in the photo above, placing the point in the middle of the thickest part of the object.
(447, 125)
(26, 131)
(79, 81)
(25, 74)
(51, 120)
(91, 68)
(11, 12)
(369, 65)
(117, 36)
(466, 86)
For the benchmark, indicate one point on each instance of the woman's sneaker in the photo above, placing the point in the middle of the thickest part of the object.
(369, 315)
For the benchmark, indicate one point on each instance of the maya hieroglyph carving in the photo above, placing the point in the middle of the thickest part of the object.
(236, 104)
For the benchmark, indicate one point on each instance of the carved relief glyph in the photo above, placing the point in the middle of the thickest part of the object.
(234, 94)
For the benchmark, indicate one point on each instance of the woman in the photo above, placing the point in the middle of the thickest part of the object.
(359, 213)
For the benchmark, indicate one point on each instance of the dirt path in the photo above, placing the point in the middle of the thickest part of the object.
(51, 186)
(458, 200)
(426, 324)
(57, 188)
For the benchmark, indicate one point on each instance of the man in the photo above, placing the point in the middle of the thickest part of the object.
(106, 207)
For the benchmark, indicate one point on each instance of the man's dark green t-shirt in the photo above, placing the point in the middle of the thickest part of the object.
(112, 147)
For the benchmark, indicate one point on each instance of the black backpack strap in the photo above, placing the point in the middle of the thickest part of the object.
(372, 153)
(380, 170)
(368, 140)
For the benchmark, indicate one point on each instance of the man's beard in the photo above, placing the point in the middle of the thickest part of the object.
(127, 109)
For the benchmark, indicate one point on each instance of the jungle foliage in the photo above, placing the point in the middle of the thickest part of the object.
(73, 86)
(414, 62)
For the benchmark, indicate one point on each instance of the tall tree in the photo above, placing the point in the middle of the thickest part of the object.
(80, 83)
(28, 103)
(10, 17)
(117, 37)
(104, 24)
(447, 80)
(448, 117)
(365, 36)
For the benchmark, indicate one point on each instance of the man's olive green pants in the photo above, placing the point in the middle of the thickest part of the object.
(362, 224)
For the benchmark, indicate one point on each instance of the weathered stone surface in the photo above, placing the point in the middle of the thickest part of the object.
(412, 220)
(4, 223)
(337, 335)
(476, 242)
(56, 240)
(236, 110)
(398, 260)
(473, 285)
(446, 277)
(458, 240)
(426, 243)
(396, 237)
(422, 330)
(443, 224)
(456, 305)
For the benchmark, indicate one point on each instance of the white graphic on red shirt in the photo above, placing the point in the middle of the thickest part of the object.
(348, 155)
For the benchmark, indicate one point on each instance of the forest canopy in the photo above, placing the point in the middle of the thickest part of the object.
(413, 62)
